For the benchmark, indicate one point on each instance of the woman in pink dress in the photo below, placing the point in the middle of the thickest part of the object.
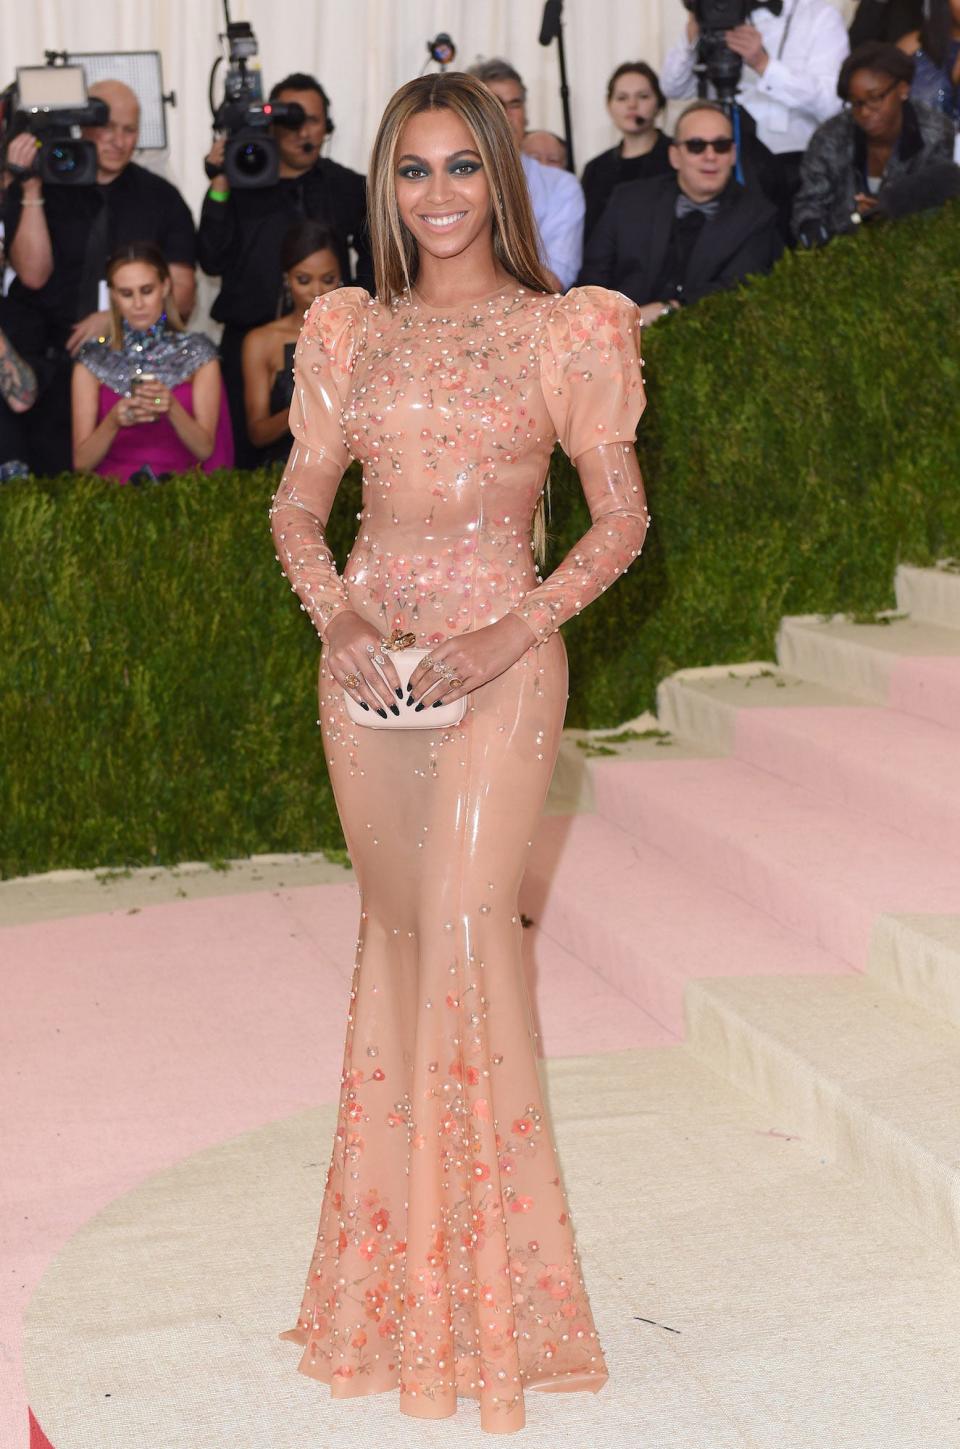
(445, 1262)
(150, 395)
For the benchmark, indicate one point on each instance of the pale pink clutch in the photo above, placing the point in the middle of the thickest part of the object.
(405, 662)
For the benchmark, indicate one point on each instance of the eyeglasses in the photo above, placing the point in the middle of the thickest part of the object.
(871, 103)
(696, 145)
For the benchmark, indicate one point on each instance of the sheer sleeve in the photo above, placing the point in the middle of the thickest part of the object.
(590, 371)
(331, 339)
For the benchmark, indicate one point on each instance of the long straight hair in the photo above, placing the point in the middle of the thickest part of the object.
(395, 255)
(149, 256)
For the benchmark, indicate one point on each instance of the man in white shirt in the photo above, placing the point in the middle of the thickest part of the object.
(555, 195)
(791, 60)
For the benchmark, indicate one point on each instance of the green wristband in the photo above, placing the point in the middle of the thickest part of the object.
(218, 195)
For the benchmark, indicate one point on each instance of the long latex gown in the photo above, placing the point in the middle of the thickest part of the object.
(445, 1262)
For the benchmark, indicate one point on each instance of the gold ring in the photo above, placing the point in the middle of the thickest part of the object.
(399, 640)
(455, 683)
(352, 681)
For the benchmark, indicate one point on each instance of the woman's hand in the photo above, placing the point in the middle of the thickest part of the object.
(129, 411)
(469, 660)
(155, 398)
(357, 660)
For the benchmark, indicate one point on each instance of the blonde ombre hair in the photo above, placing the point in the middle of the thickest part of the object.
(395, 256)
(149, 256)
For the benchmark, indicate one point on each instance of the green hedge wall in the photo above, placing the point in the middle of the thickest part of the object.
(157, 679)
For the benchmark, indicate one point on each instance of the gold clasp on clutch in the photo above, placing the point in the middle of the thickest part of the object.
(399, 640)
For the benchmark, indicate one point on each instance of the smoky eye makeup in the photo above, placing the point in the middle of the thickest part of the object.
(465, 164)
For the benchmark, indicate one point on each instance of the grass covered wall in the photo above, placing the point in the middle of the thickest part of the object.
(158, 680)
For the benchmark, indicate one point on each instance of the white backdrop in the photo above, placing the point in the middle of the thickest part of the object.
(361, 50)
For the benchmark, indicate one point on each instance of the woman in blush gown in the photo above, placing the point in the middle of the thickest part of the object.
(445, 1262)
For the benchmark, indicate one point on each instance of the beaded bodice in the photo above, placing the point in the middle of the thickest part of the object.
(453, 415)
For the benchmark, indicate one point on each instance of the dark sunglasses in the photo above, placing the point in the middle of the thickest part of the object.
(696, 145)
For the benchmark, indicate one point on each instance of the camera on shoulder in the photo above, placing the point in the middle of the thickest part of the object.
(50, 101)
(251, 155)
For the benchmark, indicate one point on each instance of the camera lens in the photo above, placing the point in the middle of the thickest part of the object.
(251, 159)
(63, 159)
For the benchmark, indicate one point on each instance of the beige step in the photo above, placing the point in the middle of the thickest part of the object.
(869, 1079)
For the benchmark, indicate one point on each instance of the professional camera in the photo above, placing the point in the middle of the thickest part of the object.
(251, 157)
(50, 101)
(716, 63)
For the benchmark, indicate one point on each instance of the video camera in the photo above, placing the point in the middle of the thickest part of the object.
(50, 101)
(251, 157)
(716, 63)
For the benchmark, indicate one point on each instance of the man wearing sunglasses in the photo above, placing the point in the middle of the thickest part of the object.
(792, 51)
(670, 240)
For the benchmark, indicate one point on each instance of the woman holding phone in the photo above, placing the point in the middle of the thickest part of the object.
(150, 394)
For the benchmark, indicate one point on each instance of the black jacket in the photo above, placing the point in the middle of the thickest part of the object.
(240, 239)
(629, 245)
(610, 169)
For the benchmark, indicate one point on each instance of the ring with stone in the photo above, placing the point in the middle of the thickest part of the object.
(378, 659)
(352, 681)
(455, 683)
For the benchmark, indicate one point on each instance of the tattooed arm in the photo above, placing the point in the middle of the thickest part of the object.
(18, 383)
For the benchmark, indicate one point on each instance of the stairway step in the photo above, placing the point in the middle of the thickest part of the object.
(906, 664)
(869, 1079)
(896, 768)
(646, 924)
(822, 870)
(918, 957)
(576, 1010)
(930, 594)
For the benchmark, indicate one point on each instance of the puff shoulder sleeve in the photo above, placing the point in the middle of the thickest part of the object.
(590, 375)
(332, 338)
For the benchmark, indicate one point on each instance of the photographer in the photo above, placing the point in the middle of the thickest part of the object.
(241, 231)
(59, 240)
(668, 241)
(791, 60)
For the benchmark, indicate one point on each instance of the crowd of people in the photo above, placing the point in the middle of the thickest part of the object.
(98, 372)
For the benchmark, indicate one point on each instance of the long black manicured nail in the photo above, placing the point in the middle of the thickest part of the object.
(395, 710)
(437, 703)
(399, 692)
(382, 713)
(420, 706)
(363, 704)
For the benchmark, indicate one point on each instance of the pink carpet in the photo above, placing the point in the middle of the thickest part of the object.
(132, 1039)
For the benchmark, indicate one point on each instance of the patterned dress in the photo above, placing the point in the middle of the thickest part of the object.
(445, 1262)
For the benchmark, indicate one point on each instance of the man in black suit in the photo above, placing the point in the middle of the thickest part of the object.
(670, 240)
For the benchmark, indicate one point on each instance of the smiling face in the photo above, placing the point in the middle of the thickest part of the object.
(140, 294)
(633, 105)
(117, 140)
(313, 276)
(702, 177)
(442, 191)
